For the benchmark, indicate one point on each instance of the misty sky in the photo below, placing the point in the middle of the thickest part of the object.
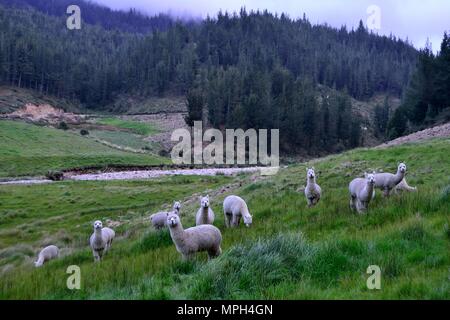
(416, 20)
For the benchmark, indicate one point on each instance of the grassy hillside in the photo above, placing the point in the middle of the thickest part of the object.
(290, 251)
(32, 150)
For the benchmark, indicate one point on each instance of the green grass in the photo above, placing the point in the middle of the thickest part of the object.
(290, 252)
(141, 128)
(125, 140)
(32, 150)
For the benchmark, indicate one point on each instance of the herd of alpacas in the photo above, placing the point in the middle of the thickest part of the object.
(204, 236)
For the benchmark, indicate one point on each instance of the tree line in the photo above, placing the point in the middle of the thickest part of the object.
(427, 96)
(247, 69)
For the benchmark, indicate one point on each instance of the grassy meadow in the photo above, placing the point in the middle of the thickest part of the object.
(290, 252)
(28, 150)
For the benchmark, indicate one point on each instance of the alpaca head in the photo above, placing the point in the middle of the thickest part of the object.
(370, 178)
(248, 220)
(98, 225)
(177, 206)
(402, 167)
(310, 173)
(173, 220)
(204, 202)
(38, 263)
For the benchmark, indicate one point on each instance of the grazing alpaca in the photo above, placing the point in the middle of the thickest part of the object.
(312, 190)
(403, 186)
(204, 237)
(361, 192)
(387, 181)
(235, 208)
(47, 254)
(159, 219)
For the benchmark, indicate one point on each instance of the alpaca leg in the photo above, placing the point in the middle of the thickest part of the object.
(214, 252)
(234, 221)
(352, 203)
(227, 220)
(186, 257)
(96, 256)
(386, 192)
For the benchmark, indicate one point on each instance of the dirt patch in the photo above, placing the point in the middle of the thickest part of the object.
(442, 131)
(45, 113)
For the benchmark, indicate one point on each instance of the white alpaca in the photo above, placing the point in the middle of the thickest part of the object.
(205, 215)
(403, 186)
(235, 208)
(177, 207)
(101, 240)
(387, 181)
(361, 192)
(312, 190)
(204, 237)
(159, 219)
(47, 254)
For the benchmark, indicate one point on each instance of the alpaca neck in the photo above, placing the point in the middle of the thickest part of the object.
(205, 211)
(311, 183)
(40, 261)
(98, 234)
(177, 233)
(369, 189)
(398, 177)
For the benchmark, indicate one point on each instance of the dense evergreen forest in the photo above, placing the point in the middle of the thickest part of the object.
(130, 21)
(250, 69)
(428, 94)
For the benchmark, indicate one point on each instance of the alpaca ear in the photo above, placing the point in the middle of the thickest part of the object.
(313, 168)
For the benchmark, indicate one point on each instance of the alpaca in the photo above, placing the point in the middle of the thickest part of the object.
(312, 190)
(361, 192)
(205, 215)
(234, 208)
(204, 237)
(387, 181)
(159, 219)
(101, 240)
(403, 186)
(47, 254)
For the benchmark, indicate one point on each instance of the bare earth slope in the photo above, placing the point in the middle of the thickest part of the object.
(435, 132)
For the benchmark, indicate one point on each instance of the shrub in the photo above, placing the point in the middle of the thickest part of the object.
(63, 125)
(248, 268)
(54, 175)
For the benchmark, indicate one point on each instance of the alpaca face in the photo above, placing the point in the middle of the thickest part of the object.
(310, 173)
(371, 179)
(177, 206)
(402, 167)
(204, 202)
(37, 264)
(173, 220)
(98, 225)
(248, 220)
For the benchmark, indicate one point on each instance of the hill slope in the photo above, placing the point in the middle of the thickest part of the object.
(32, 150)
(290, 251)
